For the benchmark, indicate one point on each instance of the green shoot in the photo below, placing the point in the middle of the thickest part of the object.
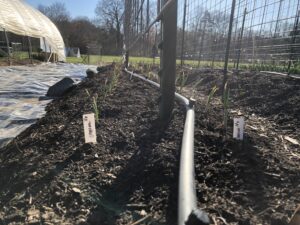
(211, 95)
(181, 79)
(96, 109)
(87, 92)
(226, 107)
(94, 105)
(114, 79)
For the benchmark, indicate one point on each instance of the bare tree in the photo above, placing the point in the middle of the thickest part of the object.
(109, 13)
(57, 12)
(60, 16)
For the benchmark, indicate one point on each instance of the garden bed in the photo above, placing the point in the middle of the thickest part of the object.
(48, 174)
(255, 181)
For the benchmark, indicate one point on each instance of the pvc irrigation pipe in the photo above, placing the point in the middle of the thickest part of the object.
(187, 201)
(280, 74)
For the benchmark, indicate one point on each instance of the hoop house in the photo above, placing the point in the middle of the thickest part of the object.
(18, 17)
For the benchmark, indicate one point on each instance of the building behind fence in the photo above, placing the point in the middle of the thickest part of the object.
(265, 33)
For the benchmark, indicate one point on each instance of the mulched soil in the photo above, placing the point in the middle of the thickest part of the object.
(48, 174)
(256, 181)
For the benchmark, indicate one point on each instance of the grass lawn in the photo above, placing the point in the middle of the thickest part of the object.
(100, 60)
(97, 60)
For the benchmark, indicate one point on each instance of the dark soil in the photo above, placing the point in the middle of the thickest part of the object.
(256, 181)
(49, 176)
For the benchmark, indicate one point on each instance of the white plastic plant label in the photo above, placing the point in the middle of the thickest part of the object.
(89, 128)
(238, 128)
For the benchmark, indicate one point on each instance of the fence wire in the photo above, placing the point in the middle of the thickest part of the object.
(265, 33)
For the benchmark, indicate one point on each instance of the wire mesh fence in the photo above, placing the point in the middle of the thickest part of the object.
(265, 33)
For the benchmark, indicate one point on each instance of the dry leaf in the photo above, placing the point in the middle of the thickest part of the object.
(76, 190)
(292, 140)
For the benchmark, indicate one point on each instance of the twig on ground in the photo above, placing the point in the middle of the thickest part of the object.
(223, 220)
(140, 220)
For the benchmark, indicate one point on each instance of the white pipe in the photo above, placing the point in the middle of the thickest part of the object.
(280, 74)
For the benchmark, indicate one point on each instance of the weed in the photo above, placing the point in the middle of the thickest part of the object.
(88, 93)
(181, 80)
(96, 109)
(211, 95)
(94, 105)
(225, 107)
(114, 79)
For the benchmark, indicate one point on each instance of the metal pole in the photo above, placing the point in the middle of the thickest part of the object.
(277, 20)
(158, 6)
(241, 40)
(183, 33)
(225, 77)
(202, 42)
(137, 16)
(168, 58)
(128, 7)
(45, 52)
(213, 51)
(294, 35)
(142, 50)
(30, 49)
(147, 24)
(7, 45)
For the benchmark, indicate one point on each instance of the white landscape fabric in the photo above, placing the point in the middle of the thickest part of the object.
(19, 18)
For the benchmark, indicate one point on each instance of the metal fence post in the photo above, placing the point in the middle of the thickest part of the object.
(183, 34)
(7, 45)
(241, 40)
(293, 41)
(45, 51)
(225, 77)
(30, 49)
(202, 42)
(168, 62)
(147, 25)
(128, 7)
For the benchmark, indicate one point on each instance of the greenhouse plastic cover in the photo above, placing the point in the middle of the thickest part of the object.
(19, 18)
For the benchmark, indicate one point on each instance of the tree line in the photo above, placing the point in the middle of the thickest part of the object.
(104, 31)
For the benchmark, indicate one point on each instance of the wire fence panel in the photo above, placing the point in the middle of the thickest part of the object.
(139, 15)
(265, 33)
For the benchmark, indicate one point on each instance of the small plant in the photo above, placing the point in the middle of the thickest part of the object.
(95, 105)
(210, 96)
(105, 89)
(88, 93)
(114, 79)
(197, 83)
(149, 67)
(225, 106)
(96, 109)
(181, 80)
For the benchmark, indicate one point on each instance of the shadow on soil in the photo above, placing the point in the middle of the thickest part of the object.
(145, 171)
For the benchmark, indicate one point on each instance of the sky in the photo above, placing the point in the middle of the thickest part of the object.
(75, 7)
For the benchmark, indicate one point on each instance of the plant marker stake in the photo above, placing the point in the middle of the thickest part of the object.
(89, 128)
(238, 128)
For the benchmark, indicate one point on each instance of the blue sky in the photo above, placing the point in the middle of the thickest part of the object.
(75, 7)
